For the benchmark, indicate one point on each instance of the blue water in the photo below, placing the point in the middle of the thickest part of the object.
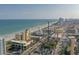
(10, 26)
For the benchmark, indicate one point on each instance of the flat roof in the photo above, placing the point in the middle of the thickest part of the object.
(18, 41)
(26, 43)
(71, 36)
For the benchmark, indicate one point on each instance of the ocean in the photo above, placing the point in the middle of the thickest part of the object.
(14, 25)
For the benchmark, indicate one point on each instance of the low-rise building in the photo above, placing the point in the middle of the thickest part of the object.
(72, 44)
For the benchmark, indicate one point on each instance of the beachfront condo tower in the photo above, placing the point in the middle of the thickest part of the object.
(26, 36)
(2, 46)
(19, 36)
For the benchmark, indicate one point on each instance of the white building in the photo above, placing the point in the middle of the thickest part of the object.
(2, 46)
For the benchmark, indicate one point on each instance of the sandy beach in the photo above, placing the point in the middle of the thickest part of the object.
(33, 29)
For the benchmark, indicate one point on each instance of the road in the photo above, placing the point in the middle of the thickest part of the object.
(34, 47)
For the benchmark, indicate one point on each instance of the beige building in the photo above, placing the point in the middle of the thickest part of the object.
(26, 35)
(59, 32)
(72, 44)
(19, 36)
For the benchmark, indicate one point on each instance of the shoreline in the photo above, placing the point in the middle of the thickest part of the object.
(32, 29)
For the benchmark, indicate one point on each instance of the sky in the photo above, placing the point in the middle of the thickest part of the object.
(38, 11)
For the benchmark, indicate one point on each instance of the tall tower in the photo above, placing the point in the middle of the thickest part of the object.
(48, 31)
(19, 36)
(2, 46)
(26, 35)
(61, 20)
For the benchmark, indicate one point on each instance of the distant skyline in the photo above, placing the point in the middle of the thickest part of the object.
(38, 11)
